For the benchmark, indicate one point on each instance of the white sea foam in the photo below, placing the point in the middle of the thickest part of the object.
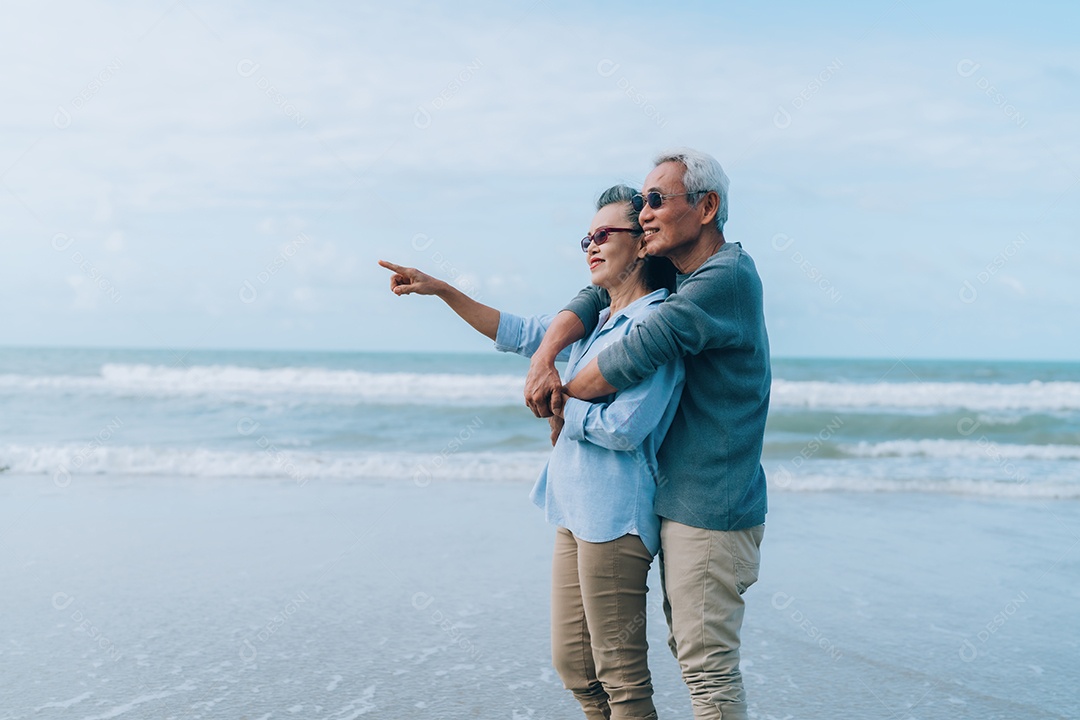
(390, 388)
(64, 703)
(951, 486)
(479, 389)
(974, 449)
(65, 462)
(1032, 396)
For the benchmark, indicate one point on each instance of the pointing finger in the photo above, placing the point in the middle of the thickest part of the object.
(391, 266)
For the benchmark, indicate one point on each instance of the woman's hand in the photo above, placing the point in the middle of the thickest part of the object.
(556, 424)
(407, 280)
(557, 419)
(542, 386)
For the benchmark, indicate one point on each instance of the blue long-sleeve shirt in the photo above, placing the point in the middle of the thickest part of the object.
(710, 462)
(600, 481)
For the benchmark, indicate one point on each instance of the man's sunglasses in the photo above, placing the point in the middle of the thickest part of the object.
(600, 236)
(655, 199)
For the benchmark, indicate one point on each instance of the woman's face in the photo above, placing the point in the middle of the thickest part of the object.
(610, 264)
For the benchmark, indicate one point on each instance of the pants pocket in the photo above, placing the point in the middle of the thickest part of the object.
(746, 551)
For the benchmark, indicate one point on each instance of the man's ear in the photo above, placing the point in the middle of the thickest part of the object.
(641, 250)
(711, 205)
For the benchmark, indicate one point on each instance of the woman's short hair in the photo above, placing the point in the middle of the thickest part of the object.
(658, 272)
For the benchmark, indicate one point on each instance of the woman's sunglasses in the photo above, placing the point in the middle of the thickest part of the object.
(655, 199)
(600, 236)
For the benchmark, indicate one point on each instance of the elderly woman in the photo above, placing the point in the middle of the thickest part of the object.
(599, 483)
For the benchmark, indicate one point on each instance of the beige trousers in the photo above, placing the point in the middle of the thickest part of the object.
(704, 574)
(598, 643)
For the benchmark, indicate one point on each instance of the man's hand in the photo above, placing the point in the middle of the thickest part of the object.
(541, 384)
(543, 380)
(407, 280)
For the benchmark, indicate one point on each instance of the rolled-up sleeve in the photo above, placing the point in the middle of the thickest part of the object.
(523, 335)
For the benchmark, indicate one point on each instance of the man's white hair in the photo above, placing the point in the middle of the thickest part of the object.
(703, 174)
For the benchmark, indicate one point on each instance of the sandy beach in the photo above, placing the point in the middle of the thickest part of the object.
(189, 598)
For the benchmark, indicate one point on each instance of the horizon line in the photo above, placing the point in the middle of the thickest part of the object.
(354, 351)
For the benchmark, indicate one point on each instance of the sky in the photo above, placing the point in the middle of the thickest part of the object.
(188, 174)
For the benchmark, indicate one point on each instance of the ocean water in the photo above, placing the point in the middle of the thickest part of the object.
(344, 535)
(983, 428)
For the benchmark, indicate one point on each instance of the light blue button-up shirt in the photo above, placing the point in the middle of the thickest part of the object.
(600, 481)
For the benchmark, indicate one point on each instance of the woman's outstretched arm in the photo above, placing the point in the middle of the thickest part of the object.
(407, 280)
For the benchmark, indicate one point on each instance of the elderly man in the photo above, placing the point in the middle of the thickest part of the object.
(711, 486)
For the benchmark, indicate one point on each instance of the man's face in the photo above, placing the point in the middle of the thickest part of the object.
(676, 223)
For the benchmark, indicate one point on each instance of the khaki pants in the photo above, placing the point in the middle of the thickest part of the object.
(598, 642)
(704, 574)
